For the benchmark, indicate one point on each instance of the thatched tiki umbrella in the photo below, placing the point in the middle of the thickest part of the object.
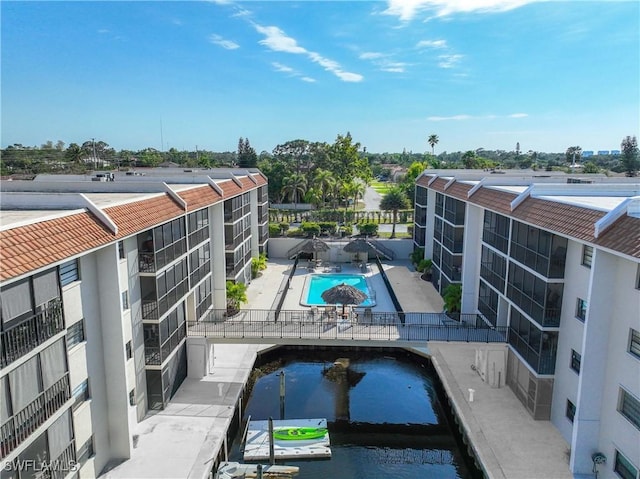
(314, 246)
(344, 294)
(361, 245)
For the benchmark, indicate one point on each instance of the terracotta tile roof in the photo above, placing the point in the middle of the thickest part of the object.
(622, 236)
(497, 201)
(458, 190)
(230, 188)
(562, 218)
(247, 184)
(260, 178)
(34, 246)
(141, 215)
(424, 181)
(200, 197)
(439, 185)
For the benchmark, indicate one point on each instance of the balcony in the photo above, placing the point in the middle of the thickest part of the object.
(18, 340)
(25, 422)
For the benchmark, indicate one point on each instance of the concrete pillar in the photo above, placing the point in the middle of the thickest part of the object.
(218, 262)
(586, 423)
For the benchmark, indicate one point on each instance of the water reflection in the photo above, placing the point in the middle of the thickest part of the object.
(384, 416)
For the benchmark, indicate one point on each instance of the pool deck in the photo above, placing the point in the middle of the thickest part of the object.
(181, 441)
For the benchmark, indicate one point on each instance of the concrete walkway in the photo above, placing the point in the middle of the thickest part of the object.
(183, 440)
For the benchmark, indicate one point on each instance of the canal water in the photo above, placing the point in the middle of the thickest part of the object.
(386, 415)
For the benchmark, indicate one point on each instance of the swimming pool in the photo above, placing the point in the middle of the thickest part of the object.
(316, 284)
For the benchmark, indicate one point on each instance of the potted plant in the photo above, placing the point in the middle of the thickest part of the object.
(452, 296)
(236, 295)
(424, 266)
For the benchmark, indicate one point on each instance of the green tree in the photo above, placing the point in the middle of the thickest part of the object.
(433, 141)
(74, 154)
(236, 295)
(394, 200)
(294, 187)
(324, 181)
(452, 296)
(247, 157)
(590, 167)
(573, 154)
(630, 159)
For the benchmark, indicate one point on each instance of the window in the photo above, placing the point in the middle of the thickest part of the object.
(629, 407)
(132, 397)
(634, 342)
(125, 300)
(129, 349)
(75, 334)
(581, 309)
(571, 410)
(638, 278)
(575, 361)
(69, 272)
(623, 467)
(80, 394)
(85, 451)
(121, 249)
(587, 256)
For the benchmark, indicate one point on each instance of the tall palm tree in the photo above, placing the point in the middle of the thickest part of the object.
(394, 200)
(433, 141)
(324, 180)
(294, 186)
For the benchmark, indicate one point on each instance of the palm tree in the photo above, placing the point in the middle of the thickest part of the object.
(394, 200)
(433, 141)
(324, 180)
(357, 190)
(573, 153)
(294, 186)
(236, 295)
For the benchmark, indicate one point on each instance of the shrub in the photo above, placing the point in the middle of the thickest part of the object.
(284, 227)
(424, 266)
(310, 229)
(417, 255)
(369, 229)
(274, 229)
(328, 227)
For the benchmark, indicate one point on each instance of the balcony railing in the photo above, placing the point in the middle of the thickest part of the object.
(61, 466)
(22, 424)
(329, 324)
(18, 340)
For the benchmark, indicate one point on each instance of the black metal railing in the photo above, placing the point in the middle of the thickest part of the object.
(61, 466)
(22, 424)
(18, 340)
(330, 323)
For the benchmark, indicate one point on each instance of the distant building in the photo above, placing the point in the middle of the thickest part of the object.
(557, 263)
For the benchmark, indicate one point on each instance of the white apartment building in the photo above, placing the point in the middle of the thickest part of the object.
(557, 261)
(98, 277)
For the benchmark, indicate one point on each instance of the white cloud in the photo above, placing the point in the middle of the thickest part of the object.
(308, 79)
(371, 55)
(393, 67)
(276, 40)
(226, 44)
(407, 10)
(279, 67)
(448, 118)
(449, 61)
(470, 117)
(432, 44)
(103, 31)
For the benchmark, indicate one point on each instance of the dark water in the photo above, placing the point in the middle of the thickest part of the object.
(385, 419)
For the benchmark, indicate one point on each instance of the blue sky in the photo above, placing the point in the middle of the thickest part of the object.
(478, 73)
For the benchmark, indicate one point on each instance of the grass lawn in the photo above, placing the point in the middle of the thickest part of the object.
(382, 188)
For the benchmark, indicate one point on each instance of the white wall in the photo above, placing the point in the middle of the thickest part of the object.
(622, 368)
(565, 386)
(279, 247)
(472, 247)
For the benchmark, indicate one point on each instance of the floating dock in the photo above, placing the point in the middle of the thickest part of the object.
(315, 446)
(234, 470)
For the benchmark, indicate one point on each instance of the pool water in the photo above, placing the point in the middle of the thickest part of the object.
(318, 283)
